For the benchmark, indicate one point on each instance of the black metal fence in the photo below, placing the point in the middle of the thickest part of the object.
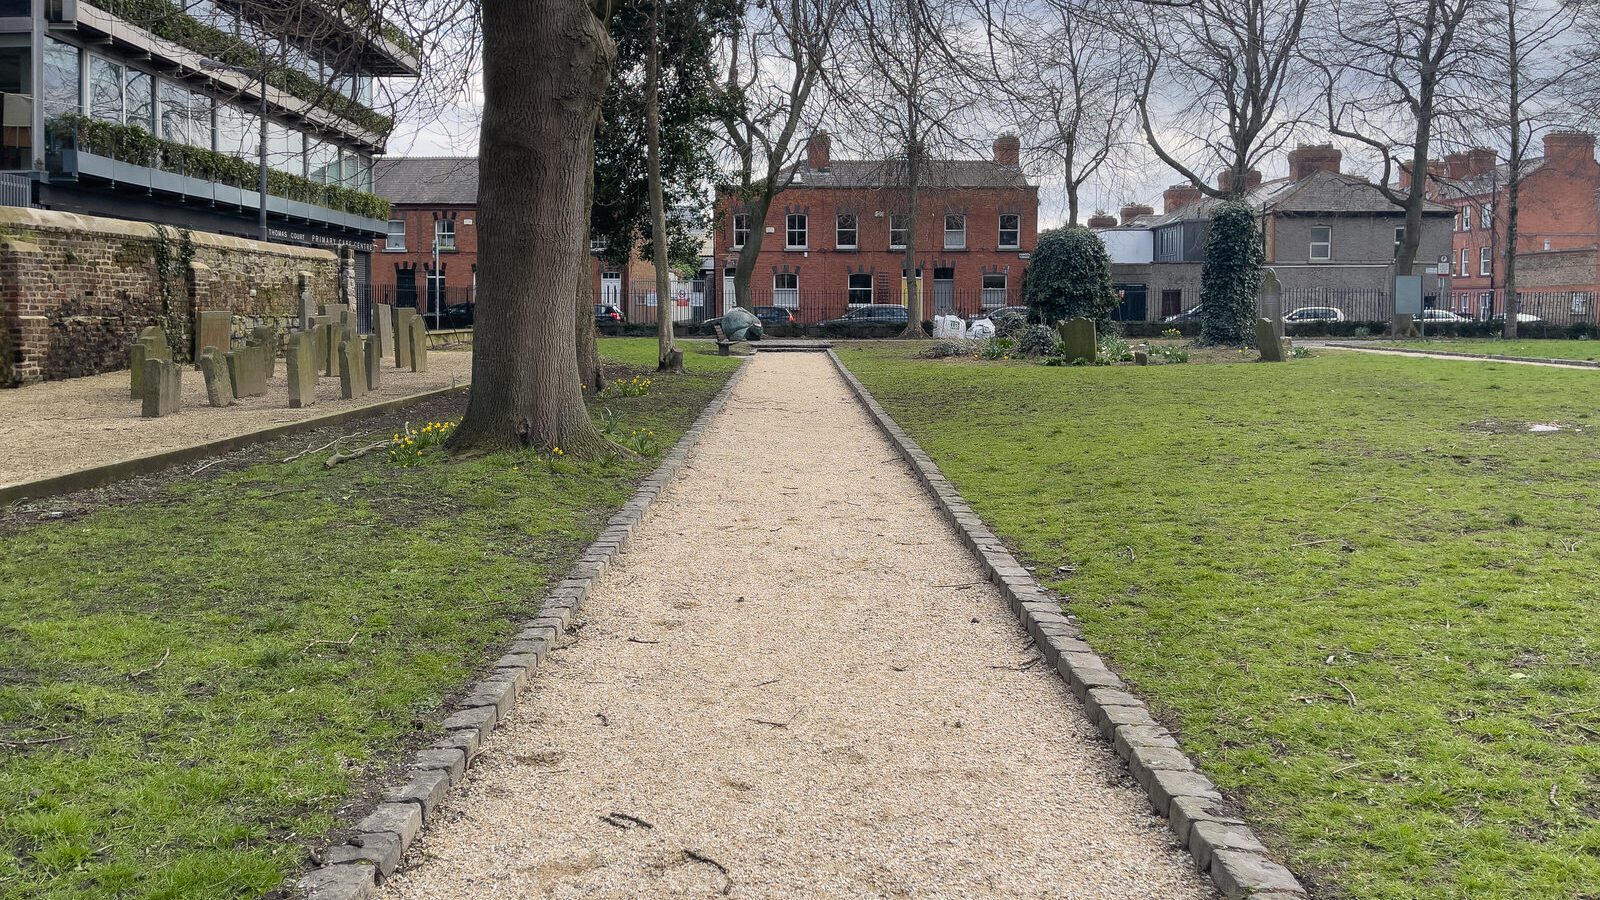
(450, 307)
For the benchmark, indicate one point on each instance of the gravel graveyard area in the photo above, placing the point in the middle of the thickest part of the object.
(796, 683)
(63, 426)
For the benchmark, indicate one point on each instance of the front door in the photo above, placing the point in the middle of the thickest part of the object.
(944, 291)
(611, 289)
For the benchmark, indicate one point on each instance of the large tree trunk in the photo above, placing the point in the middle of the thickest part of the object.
(746, 268)
(539, 115)
(912, 280)
(667, 357)
(1513, 169)
(588, 350)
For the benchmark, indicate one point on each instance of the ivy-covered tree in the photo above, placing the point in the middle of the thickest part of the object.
(1232, 276)
(1069, 275)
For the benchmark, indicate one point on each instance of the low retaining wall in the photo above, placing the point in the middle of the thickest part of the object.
(75, 290)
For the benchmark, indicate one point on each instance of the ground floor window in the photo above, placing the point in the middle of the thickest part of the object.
(786, 289)
(860, 288)
(994, 289)
(1171, 303)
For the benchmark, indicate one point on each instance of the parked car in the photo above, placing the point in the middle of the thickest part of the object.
(1192, 314)
(1522, 319)
(875, 314)
(1021, 311)
(1314, 314)
(1434, 316)
(458, 315)
(605, 314)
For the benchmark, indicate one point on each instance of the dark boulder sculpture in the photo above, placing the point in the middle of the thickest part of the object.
(740, 324)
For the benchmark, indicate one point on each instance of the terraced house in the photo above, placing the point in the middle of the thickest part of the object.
(151, 109)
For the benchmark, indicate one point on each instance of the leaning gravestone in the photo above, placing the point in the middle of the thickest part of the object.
(372, 361)
(740, 324)
(162, 385)
(248, 372)
(402, 336)
(265, 339)
(151, 344)
(383, 328)
(352, 381)
(1078, 339)
(219, 386)
(213, 328)
(300, 361)
(419, 345)
(308, 311)
(1267, 341)
(328, 344)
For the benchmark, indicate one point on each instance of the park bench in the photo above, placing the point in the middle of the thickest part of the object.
(722, 340)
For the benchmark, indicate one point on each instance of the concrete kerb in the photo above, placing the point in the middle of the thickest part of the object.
(354, 869)
(1233, 856)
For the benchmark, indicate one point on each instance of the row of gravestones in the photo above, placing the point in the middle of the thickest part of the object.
(326, 345)
(1078, 341)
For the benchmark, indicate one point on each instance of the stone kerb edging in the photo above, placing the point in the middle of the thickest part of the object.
(1453, 354)
(354, 869)
(1212, 830)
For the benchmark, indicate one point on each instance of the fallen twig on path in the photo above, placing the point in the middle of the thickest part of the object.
(605, 721)
(205, 466)
(697, 856)
(310, 450)
(624, 821)
(35, 741)
(1343, 685)
(962, 586)
(339, 457)
(134, 676)
(634, 640)
(769, 722)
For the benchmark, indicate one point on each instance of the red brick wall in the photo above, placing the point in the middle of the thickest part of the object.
(823, 269)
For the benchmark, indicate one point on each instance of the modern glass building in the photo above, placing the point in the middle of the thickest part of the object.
(151, 110)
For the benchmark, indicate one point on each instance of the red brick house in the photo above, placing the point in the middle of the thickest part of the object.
(834, 238)
(1558, 230)
(433, 217)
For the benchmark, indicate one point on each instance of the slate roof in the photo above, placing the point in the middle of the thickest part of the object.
(426, 180)
(1331, 193)
(936, 173)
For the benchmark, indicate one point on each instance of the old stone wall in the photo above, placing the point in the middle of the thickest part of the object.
(75, 290)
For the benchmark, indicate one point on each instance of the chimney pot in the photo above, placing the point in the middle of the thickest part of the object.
(1456, 166)
(1252, 180)
(1308, 159)
(1178, 196)
(1101, 220)
(1133, 211)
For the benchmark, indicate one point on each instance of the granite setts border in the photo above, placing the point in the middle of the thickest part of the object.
(1212, 830)
(1453, 354)
(353, 870)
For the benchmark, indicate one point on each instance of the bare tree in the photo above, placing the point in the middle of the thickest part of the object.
(1221, 84)
(775, 61)
(1067, 83)
(1394, 71)
(1539, 64)
(669, 359)
(904, 84)
(534, 161)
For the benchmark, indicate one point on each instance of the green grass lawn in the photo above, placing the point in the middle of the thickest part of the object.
(252, 724)
(1362, 590)
(1542, 349)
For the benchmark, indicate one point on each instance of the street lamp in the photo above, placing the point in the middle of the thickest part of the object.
(261, 183)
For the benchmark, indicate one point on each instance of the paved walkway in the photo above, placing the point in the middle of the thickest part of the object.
(1458, 357)
(797, 672)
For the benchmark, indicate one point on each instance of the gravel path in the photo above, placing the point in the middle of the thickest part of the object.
(95, 419)
(843, 712)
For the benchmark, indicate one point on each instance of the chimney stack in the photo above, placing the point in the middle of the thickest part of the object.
(1252, 180)
(1178, 196)
(1569, 148)
(818, 147)
(1135, 210)
(1308, 159)
(1456, 166)
(1480, 161)
(1102, 220)
(1008, 150)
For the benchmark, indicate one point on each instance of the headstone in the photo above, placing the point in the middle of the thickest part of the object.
(383, 328)
(402, 336)
(213, 328)
(150, 344)
(162, 385)
(219, 385)
(308, 310)
(352, 381)
(1078, 339)
(1267, 341)
(332, 334)
(301, 365)
(371, 361)
(248, 371)
(419, 345)
(264, 338)
(320, 350)
(1141, 358)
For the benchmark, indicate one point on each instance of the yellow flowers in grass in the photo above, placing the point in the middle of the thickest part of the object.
(637, 386)
(406, 447)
